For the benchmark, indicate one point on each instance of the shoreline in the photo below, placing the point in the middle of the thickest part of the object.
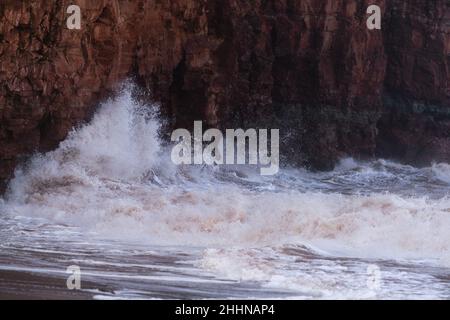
(24, 285)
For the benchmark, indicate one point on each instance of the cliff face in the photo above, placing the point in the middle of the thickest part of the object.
(309, 67)
(415, 125)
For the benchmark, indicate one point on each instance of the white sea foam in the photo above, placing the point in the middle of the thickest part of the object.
(113, 177)
(442, 171)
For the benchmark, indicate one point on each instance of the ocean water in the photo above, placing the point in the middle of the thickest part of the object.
(110, 201)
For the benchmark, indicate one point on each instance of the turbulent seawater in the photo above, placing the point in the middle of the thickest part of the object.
(110, 201)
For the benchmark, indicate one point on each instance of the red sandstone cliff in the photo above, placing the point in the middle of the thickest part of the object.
(310, 67)
(415, 125)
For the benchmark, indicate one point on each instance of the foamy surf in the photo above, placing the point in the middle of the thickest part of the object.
(298, 234)
(442, 172)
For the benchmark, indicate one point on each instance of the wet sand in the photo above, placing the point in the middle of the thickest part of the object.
(19, 285)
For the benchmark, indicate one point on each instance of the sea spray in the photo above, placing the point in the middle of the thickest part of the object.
(112, 176)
